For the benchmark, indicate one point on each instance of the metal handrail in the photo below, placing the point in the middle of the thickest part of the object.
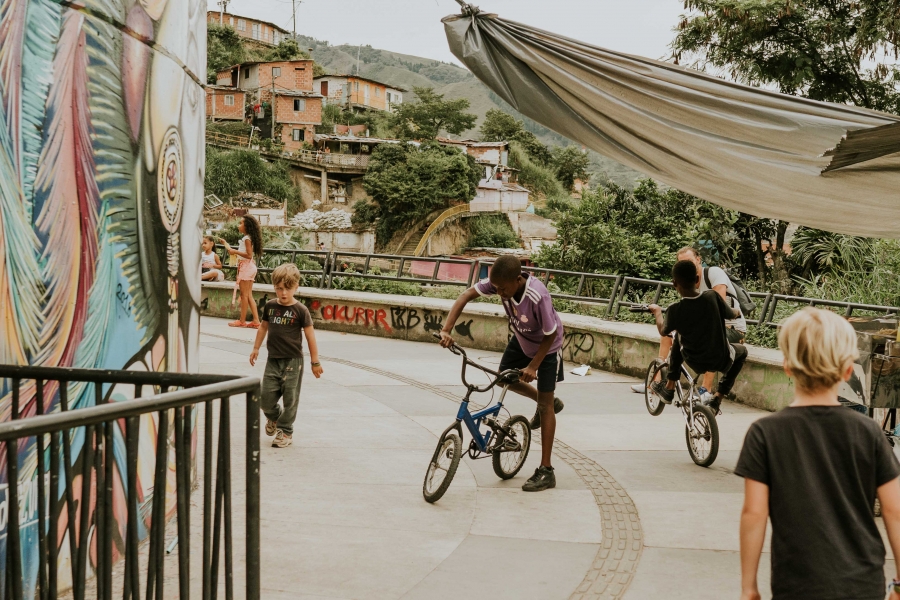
(615, 301)
(94, 473)
(451, 212)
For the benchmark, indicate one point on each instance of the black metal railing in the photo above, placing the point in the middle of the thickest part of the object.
(614, 291)
(96, 432)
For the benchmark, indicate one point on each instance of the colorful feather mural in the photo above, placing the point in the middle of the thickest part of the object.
(87, 277)
(67, 200)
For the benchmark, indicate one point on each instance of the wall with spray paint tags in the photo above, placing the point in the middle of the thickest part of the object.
(612, 346)
(101, 191)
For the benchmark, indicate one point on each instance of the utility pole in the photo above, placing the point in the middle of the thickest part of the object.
(294, 7)
(273, 104)
(358, 51)
(223, 4)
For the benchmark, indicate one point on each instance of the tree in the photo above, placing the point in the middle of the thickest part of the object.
(223, 49)
(499, 126)
(811, 48)
(408, 182)
(427, 116)
(570, 164)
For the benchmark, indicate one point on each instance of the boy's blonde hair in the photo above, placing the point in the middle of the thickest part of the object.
(287, 275)
(818, 346)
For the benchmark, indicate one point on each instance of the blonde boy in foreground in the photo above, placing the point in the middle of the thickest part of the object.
(815, 468)
(283, 319)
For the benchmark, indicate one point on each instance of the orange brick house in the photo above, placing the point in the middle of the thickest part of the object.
(251, 29)
(224, 103)
(298, 113)
(359, 92)
(298, 108)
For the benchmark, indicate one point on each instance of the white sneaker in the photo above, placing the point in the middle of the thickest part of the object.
(639, 388)
(282, 440)
(706, 397)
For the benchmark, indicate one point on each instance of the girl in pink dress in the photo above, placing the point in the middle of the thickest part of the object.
(249, 248)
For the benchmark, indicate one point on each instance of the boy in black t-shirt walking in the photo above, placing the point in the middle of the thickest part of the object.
(699, 319)
(285, 321)
(815, 469)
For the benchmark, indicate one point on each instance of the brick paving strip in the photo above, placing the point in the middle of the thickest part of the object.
(623, 539)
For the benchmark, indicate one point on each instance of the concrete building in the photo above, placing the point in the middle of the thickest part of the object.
(224, 103)
(486, 153)
(359, 93)
(495, 195)
(263, 32)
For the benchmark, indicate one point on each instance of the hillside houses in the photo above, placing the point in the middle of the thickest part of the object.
(259, 31)
(286, 85)
(359, 93)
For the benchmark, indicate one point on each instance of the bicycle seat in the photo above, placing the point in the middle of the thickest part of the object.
(509, 376)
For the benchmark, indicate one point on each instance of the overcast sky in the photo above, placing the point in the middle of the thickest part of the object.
(642, 27)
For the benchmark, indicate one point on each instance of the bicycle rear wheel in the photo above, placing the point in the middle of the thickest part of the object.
(512, 451)
(654, 401)
(442, 468)
(703, 438)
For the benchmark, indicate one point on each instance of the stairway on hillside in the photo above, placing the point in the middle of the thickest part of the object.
(409, 248)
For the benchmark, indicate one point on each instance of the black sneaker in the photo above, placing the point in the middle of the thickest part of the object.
(714, 403)
(536, 419)
(543, 479)
(658, 387)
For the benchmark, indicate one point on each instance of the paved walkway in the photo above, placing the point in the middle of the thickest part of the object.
(343, 514)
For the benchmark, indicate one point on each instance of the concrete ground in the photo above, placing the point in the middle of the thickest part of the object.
(343, 514)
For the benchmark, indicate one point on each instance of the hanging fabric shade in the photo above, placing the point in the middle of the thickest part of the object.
(819, 164)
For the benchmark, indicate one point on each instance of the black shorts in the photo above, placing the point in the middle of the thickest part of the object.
(550, 371)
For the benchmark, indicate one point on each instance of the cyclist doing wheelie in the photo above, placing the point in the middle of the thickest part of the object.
(699, 320)
(535, 349)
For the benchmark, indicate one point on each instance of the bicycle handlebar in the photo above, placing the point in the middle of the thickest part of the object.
(642, 308)
(510, 375)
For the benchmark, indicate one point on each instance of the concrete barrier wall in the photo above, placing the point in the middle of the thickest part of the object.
(625, 348)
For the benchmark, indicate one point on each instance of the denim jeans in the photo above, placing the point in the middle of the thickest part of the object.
(282, 379)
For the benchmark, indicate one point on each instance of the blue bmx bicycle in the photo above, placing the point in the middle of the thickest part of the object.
(507, 440)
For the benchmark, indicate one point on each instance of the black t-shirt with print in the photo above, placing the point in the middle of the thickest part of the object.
(823, 465)
(700, 323)
(286, 325)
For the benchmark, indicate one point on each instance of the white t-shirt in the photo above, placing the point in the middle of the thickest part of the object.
(208, 260)
(717, 276)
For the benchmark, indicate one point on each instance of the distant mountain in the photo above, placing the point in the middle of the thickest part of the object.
(408, 71)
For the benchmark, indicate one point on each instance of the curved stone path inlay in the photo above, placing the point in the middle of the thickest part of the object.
(623, 540)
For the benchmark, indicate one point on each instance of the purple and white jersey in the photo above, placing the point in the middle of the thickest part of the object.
(533, 317)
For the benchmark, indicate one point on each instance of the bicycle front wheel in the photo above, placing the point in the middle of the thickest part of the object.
(703, 438)
(512, 451)
(657, 371)
(442, 468)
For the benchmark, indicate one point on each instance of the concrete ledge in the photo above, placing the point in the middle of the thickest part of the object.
(612, 346)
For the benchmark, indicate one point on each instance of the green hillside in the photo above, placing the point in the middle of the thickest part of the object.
(454, 82)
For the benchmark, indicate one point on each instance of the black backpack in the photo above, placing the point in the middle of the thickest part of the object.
(748, 306)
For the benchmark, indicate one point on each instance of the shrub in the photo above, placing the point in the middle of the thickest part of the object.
(492, 231)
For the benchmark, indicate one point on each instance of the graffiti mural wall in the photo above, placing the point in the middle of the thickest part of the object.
(101, 188)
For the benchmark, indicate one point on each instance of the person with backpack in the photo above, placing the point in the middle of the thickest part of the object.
(734, 295)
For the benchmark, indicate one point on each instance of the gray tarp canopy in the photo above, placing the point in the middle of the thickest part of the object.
(819, 164)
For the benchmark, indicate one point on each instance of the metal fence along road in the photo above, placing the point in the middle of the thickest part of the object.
(614, 291)
(96, 434)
